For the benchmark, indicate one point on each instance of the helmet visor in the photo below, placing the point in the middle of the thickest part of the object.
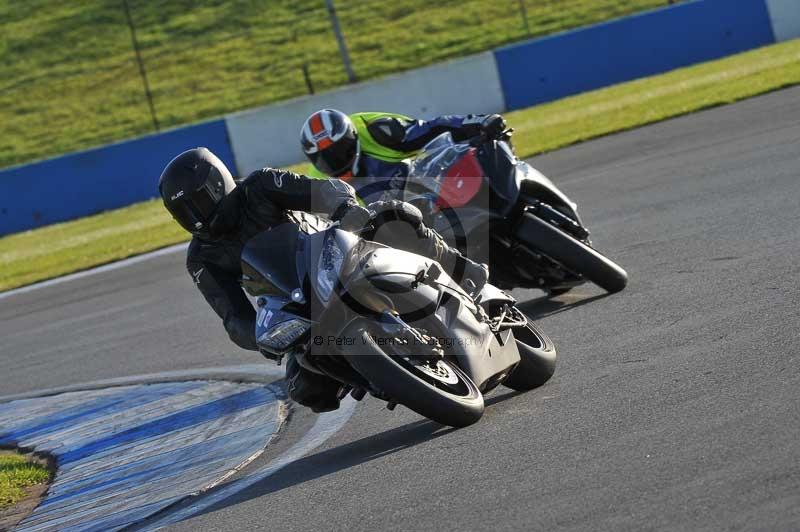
(204, 202)
(337, 159)
(185, 216)
(195, 212)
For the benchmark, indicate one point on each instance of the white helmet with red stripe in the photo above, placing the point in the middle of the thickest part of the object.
(330, 142)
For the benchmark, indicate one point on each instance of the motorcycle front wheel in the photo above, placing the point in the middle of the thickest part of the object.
(571, 253)
(434, 388)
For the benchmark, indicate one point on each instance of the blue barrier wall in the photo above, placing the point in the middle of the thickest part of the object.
(621, 50)
(104, 178)
(527, 74)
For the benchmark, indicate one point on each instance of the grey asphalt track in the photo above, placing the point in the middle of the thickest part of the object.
(676, 403)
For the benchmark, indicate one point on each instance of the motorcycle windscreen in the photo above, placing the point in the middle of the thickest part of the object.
(269, 261)
(461, 182)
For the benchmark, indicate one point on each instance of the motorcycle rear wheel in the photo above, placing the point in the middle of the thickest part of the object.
(537, 359)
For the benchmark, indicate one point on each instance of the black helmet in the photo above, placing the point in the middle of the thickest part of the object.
(192, 186)
(330, 141)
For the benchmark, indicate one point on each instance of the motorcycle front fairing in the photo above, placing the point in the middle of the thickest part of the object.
(279, 267)
(369, 280)
(280, 329)
(282, 322)
(506, 176)
(535, 184)
(262, 274)
(481, 353)
(418, 290)
(387, 279)
(324, 253)
(512, 177)
(498, 162)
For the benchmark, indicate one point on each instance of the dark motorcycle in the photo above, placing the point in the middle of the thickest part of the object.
(501, 211)
(389, 323)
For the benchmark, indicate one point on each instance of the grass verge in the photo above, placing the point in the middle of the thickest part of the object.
(72, 246)
(17, 474)
(69, 79)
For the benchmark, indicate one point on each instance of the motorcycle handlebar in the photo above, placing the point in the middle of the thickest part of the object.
(481, 137)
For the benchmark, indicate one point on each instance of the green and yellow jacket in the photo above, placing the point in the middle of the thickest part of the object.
(388, 140)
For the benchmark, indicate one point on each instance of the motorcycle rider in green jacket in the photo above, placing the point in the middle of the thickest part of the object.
(369, 150)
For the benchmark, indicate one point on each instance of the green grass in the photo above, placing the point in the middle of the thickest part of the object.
(30, 256)
(67, 247)
(629, 105)
(69, 79)
(16, 474)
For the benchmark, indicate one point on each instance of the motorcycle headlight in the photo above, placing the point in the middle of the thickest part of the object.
(281, 336)
(329, 267)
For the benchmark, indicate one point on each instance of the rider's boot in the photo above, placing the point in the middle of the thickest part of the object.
(470, 275)
(318, 392)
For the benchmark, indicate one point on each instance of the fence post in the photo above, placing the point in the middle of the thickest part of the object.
(307, 77)
(337, 30)
(524, 13)
(142, 71)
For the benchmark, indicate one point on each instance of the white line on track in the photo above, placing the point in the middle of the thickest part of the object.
(94, 271)
(325, 426)
(256, 372)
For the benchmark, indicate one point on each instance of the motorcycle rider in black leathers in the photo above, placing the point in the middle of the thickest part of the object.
(222, 215)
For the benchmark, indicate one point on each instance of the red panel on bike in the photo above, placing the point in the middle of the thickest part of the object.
(461, 182)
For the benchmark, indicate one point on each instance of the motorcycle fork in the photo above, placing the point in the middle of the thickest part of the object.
(557, 218)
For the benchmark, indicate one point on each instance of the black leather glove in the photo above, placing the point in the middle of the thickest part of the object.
(355, 218)
(493, 126)
(426, 203)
